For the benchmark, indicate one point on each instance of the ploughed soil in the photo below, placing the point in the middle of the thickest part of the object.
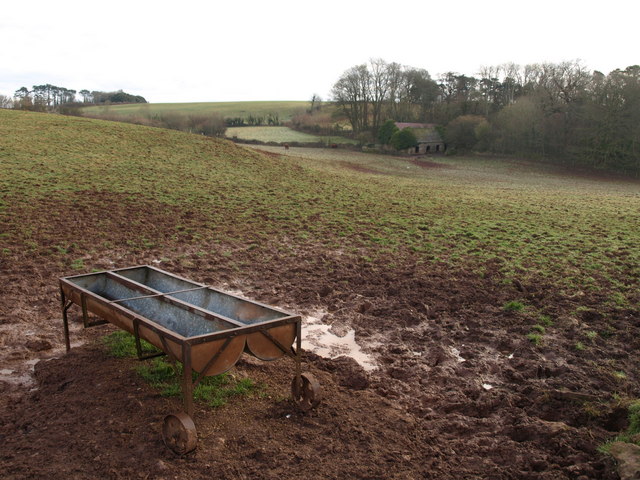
(459, 393)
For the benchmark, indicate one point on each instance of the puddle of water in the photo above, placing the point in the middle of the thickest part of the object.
(21, 373)
(24, 378)
(317, 338)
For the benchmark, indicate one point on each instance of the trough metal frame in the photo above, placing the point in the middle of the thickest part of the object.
(187, 382)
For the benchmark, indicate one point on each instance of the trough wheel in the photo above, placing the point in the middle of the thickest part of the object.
(306, 391)
(179, 433)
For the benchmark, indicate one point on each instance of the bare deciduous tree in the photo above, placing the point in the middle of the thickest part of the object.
(351, 93)
(6, 102)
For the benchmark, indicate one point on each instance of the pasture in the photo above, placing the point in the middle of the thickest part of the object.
(498, 300)
(282, 135)
(284, 109)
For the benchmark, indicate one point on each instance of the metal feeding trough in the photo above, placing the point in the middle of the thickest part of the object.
(203, 328)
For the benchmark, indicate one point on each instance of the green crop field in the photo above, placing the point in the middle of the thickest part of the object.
(284, 109)
(282, 135)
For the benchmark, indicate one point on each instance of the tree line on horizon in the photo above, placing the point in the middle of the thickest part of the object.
(557, 111)
(49, 97)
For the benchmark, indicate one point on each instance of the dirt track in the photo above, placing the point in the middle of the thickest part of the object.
(460, 392)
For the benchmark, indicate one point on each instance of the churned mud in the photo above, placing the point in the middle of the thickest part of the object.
(425, 374)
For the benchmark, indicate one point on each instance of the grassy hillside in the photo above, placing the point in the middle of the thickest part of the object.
(532, 223)
(285, 110)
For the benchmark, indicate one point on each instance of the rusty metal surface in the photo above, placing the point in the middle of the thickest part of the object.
(170, 312)
(203, 328)
(187, 308)
(306, 391)
(179, 433)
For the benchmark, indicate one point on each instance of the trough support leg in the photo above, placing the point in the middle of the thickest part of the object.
(85, 314)
(141, 353)
(299, 352)
(187, 380)
(65, 319)
(136, 334)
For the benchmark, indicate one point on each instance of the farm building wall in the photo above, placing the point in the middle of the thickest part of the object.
(427, 147)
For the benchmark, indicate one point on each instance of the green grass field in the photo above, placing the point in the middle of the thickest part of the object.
(282, 135)
(533, 219)
(577, 233)
(284, 110)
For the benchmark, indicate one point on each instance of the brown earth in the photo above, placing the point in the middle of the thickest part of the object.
(460, 392)
(420, 162)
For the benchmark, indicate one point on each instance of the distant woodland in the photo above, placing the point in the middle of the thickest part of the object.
(560, 112)
(52, 98)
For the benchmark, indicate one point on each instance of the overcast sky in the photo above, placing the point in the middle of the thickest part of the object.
(196, 51)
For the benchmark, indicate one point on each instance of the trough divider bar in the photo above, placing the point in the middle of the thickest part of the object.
(132, 284)
(151, 267)
(155, 295)
(202, 311)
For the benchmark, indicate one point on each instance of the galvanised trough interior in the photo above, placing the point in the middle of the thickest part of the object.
(183, 318)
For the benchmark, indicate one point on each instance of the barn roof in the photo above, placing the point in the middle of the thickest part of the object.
(425, 132)
(402, 125)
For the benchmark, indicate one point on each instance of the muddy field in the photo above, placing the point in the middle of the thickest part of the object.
(453, 389)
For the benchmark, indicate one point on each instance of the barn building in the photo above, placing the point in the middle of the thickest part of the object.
(429, 140)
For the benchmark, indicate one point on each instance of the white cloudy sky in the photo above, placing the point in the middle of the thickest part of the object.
(191, 50)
